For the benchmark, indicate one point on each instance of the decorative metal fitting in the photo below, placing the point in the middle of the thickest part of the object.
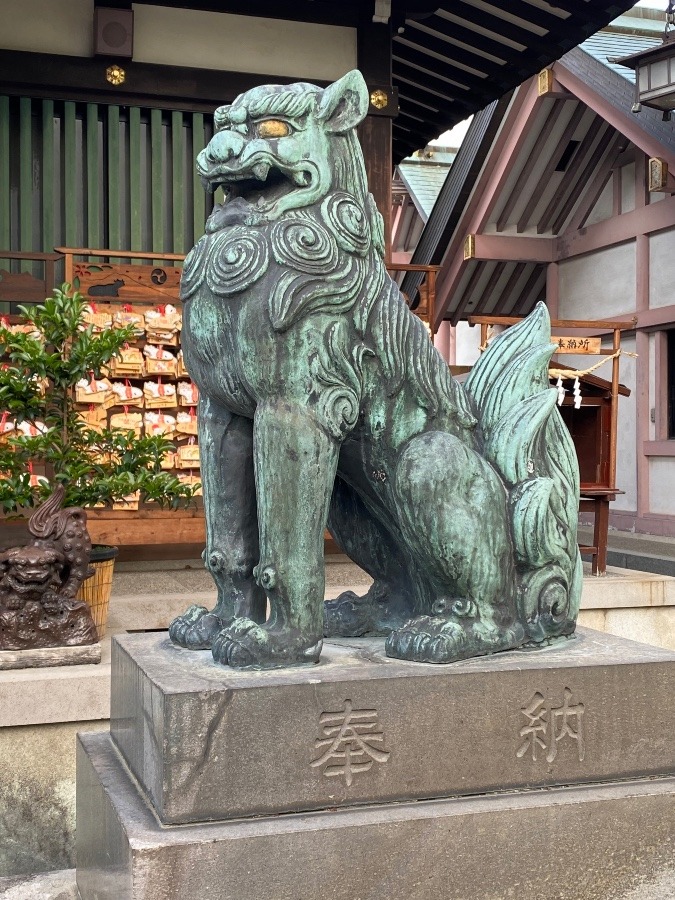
(379, 99)
(115, 75)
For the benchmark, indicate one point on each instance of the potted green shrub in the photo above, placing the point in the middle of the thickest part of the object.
(44, 439)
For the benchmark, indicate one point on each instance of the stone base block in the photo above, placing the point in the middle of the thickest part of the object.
(597, 842)
(210, 743)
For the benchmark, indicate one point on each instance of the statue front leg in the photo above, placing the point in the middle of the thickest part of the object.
(295, 464)
(228, 486)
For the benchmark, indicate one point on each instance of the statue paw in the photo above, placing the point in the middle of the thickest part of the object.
(348, 616)
(377, 612)
(427, 639)
(444, 639)
(246, 645)
(196, 628)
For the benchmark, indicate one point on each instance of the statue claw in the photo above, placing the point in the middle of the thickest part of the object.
(246, 645)
(446, 639)
(196, 628)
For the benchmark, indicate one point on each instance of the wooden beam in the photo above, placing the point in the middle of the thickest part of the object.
(506, 146)
(468, 291)
(617, 230)
(517, 189)
(553, 288)
(146, 84)
(571, 127)
(570, 176)
(623, 120)
(583, 176)
(513, 249)
(596, 186)
(531, 286)
(590, 324)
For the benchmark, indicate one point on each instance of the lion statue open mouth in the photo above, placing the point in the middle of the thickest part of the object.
(323, 402)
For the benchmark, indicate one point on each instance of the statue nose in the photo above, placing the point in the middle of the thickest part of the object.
(223, 146)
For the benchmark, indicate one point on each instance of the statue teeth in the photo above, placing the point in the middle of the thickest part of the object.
(301, 178)
(260, 171)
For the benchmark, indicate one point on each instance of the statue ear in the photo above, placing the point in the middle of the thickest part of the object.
(344, 103)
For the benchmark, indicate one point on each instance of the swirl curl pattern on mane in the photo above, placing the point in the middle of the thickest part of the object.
(237, 259)
(303, 244)
(348, 222)
(194, 269)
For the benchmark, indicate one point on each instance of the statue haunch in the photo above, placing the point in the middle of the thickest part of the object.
(323, 402)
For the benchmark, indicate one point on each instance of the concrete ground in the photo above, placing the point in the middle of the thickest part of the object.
(641, 552)
(50, 886)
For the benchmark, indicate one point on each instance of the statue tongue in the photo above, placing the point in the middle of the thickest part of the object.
(233, 212)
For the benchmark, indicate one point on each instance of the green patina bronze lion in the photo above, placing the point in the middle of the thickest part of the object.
(323, 402)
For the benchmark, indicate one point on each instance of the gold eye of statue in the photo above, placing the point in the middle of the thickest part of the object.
(273, 128)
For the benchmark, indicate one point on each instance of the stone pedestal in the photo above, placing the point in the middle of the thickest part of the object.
(365, 777)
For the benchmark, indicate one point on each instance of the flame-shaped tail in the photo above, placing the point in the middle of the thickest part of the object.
(526, 440)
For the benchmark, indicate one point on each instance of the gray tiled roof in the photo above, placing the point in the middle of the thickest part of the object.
(618, 91)
(606, 44)
(424, 182)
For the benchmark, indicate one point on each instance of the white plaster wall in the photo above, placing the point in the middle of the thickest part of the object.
(48, 26)
(598, 285)
(208, 40)
(468, 343)
(662, 485)
(628, 188)
(604, 208)
(662, 268)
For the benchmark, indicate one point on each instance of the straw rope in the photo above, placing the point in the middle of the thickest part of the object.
(578, 373)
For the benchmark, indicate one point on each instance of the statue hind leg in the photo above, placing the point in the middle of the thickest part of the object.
(391, 599)
(454, 514)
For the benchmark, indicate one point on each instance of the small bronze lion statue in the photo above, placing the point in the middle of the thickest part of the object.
(39, 582)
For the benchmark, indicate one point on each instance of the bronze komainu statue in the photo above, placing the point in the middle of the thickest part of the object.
(39, 582)
(322, 401)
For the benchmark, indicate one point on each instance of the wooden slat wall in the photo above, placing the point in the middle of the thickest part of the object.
(70, 185)
(98, 175)
(92, 168)
(177, 168)
(4, 178)
(156, 169)
(199, 205)
(47, 173)
(25, 179)
(113, 178)
(135, 150)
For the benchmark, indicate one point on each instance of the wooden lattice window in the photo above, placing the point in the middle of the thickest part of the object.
(98, 175)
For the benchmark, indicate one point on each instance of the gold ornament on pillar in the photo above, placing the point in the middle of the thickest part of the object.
(115, 74)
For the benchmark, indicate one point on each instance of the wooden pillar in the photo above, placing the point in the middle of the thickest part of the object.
(553, 289)
(373, 54)
(644, 402)
(443, 341)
